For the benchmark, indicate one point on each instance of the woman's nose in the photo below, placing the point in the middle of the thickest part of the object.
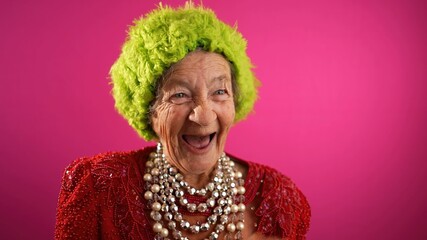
(203, 114)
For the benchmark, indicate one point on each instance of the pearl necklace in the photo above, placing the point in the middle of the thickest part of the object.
(165, 193)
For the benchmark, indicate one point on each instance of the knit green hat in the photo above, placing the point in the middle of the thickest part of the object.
(164, 37)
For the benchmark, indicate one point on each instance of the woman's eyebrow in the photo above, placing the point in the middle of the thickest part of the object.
(220, 78)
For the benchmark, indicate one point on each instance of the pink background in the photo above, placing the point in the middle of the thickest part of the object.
(342, 109)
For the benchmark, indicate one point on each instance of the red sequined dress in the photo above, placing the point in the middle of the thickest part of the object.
(102, 198)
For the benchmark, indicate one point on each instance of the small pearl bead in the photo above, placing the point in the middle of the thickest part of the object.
(156, 206)
(148, 195)
(164, 233)
(234, 208)
(242, 207)
(157, 227)
(231, 227)
(147, 177)
(240, 226)
(239, 175)
(241, 190)
(155, 188)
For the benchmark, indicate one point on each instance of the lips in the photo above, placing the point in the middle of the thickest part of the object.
(198, 141)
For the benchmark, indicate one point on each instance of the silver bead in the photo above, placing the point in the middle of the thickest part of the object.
(212, 219)
(202, 192)
(217, 210)
(173, 171)
(202, 207)
(221, 202)
(174, 207)
(219, 227)
(223, 219)
(178, 217)
(191, 207)
(227, 210)
(215, 194)
(192, 191)
(210, 187)
(171, 225)
(168, 216)
(195, 229)
(214, 236)
(204, 227)
(211, 202)
(177, 234)
(185, 224)
(171, 199)
(156, 216)
(223, 194)
(179, 177)
(183, 201)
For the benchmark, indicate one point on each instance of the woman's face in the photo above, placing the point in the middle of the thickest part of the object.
(195, 111)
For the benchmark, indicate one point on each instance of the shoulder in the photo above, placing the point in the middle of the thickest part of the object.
(103, 167)
(283, 209)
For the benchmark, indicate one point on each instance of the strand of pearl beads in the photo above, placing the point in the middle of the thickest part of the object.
(160, 176)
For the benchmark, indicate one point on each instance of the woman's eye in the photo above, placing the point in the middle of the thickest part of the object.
(179, 98)
(220, 92)
(179, 95)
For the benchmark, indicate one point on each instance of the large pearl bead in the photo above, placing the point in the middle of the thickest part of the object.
(148, 195)
(240, 226)
(147, 177)
(155, 171)
(157, 227)
(242, 207)
(164, 232)
(156, 206)
(231, 227)
(155, 188)
(234, 208)
(241, 190)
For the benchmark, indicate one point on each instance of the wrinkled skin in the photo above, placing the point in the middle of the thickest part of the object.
(194, 113)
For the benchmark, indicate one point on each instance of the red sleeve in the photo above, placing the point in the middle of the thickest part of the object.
(284, 211)
(303, 223)
(77, 215)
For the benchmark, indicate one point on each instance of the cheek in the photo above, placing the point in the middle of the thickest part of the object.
(168, 120)
(227, 115)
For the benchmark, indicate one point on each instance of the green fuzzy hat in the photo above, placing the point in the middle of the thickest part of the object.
(164, 37)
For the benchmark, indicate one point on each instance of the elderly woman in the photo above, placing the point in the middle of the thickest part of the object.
(183, 79)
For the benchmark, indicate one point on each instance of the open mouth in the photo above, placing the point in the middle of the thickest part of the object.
(197, 141)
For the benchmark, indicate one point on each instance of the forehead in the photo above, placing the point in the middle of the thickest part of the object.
(201, 64)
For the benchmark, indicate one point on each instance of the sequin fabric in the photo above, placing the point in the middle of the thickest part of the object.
(101, 198)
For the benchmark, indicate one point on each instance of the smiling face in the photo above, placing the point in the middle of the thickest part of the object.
(194, 112)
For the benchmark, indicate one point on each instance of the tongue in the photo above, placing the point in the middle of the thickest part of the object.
(197, 141)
